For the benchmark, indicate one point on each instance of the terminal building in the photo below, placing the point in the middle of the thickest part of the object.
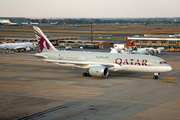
(155, 42)
(141, 42)
(60, 41)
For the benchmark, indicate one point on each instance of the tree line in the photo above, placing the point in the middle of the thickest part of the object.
(104, 21)
(145, 21)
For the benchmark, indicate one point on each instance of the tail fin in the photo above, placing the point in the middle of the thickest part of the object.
(135, 48)
(44, 44)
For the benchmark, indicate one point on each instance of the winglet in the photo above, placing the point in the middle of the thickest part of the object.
(44, 43)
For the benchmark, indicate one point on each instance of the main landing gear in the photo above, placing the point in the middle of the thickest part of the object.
(86, 74)
(156, 75)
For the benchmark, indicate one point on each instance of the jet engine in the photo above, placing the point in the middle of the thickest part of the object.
(27, 49)
(98, 71)
(158, 51)
(152, 52)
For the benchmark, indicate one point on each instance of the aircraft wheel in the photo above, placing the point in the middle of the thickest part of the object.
(88, 75)
(84, 74)
(155, 77)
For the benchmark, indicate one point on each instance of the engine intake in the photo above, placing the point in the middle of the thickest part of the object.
(99, 71)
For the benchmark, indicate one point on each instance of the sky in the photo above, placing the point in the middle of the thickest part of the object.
(89, 8)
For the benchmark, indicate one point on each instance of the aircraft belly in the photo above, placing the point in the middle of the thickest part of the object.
(153, 69)
(116, 68)
(141, 68)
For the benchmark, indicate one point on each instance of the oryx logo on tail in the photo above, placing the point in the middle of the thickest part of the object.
(42, 41)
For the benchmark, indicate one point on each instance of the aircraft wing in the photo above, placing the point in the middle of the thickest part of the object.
(67, 62)
(79, 63)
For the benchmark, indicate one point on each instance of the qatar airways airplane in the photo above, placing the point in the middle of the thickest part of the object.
(98, 64)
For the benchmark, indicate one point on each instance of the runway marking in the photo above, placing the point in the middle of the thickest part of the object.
(168, 81)
(54, 70)
(15, 71)
(111, 103)
(169, 77)
(114, 73)
(170, 85)
(148, 76)
(11, 71)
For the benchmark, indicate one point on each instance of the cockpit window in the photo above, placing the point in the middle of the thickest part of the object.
(163, 62)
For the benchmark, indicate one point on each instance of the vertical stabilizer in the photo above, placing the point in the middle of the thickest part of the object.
(44, 43)
(133, 46)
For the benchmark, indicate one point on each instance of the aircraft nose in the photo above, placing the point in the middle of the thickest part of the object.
(169, 68)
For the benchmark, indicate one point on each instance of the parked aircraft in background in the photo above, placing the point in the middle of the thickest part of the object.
(148, 51)
(121, 48)
(33, 23)
(13, 23)
(98, 64)
(25, 46)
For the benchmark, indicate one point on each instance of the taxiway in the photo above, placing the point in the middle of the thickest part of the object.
(44, 91)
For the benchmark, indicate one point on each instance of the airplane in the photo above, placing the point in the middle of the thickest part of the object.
(120, 48)
(33, 23)
(98, 64)
(26, 46)
(13, 23)
(148, 51)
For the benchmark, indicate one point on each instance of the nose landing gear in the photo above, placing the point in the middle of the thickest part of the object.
(156, 75)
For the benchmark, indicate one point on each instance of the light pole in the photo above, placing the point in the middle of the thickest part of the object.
(91, 32)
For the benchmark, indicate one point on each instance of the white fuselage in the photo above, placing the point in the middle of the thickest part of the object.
(15, 46)
(116, 61)
(146, 51)
(98, 64)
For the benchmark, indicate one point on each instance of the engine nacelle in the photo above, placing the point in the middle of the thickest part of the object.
(152, 52)
(99, 71)
(158, 51)
(27, 49)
